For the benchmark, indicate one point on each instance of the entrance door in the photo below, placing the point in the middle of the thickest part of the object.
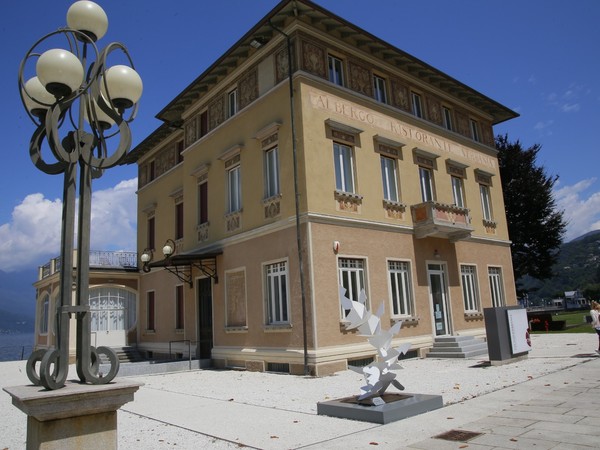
(437, 288)
(205, 330)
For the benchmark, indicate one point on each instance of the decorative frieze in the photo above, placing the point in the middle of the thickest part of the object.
(216, 112)
(313, 59)
(347, 201)
(272, 207)
(400, 98)
(248, 88)
(360, 79)
(233, 221)
(202, 230)
(394, 210)
(434, 110)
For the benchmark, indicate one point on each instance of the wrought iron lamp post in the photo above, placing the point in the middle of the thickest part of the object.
(81, 108)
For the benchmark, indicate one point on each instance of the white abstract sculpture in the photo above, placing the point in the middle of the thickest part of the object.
(378, 374)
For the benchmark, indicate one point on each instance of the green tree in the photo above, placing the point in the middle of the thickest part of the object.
(535, 225)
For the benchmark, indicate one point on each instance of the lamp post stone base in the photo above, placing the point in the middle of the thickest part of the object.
(74, 417)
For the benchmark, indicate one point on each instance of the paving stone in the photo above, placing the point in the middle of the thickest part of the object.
(557, 435)
(520, 442)
(536, 416)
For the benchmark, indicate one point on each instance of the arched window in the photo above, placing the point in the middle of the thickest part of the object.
(44, 308)
(112, 308)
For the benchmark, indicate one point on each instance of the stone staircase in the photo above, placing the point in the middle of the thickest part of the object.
(125, 355)
(457, 347)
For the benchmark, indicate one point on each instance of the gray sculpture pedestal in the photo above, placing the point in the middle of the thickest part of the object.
(74, 417)
(394, 407)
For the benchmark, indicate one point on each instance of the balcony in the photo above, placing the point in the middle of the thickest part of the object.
(98, 260)
(431, 219)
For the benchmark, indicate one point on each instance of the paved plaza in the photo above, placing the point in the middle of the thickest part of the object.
(551, 400)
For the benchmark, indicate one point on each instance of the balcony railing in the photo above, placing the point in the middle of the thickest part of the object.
(98, 259)
(432, 219)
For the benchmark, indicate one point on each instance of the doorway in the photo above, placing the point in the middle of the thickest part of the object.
(436, 274)
(205, 328)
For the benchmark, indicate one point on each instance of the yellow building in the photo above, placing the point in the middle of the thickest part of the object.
(381, 168)
(113, 299)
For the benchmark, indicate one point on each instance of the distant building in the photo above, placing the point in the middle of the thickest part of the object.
(113, 301)
(398, 194)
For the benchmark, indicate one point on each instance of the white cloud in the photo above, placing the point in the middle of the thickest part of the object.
(32, 237)
(581, 208)
(570, 107)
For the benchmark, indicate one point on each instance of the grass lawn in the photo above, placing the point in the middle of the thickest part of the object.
(575, 322)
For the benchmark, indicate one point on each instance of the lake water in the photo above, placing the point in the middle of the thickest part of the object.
(15, 346)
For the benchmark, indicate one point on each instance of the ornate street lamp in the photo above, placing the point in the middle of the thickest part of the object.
(82, 109)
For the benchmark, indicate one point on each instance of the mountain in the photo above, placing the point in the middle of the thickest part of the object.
(17, 300)
(578, 266)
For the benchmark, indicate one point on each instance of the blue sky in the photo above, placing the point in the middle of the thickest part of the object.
(537, 57)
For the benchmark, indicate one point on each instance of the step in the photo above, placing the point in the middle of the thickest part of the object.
(464, 348)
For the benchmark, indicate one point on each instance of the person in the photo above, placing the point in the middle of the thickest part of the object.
(595, 313)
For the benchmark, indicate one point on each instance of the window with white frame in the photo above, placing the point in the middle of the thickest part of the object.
(232, 103)
(112, 308)
(426, 181)
(379, 89)
(468, 276)
(417, 106)
(458, 191)
(44, 311)
(447, 117)
(486, 204)
(352, 278)
(271, 160)
(496, 286)
(336, 70)
(343, 159)
(400, 288)
(276, 293)
(234, 189)
(389, 179)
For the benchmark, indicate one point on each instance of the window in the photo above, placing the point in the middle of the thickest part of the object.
(344, 168)
(272, 172)
(234, 202)
(400, 288)
(203, 123)
(179, 308)
(426, 180)
(416, 105)
(179, 220)
(352, 277)
(152, 171)
(486, 206)
(232, 103)
(379, 89)
(336, 70)
(44, 315)
(112, 309)
(388, 176)
(496, 289)
(150, 311)
(447, 117)
(474, 130)
(469, 286)
(179, 151)
(151, 232)
(202, 203)
(458, 191)
(276, 284)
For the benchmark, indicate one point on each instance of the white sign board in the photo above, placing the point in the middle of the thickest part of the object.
(518, 328)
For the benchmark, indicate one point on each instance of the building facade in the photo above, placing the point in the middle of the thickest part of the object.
(113, 300)
(376, 172)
